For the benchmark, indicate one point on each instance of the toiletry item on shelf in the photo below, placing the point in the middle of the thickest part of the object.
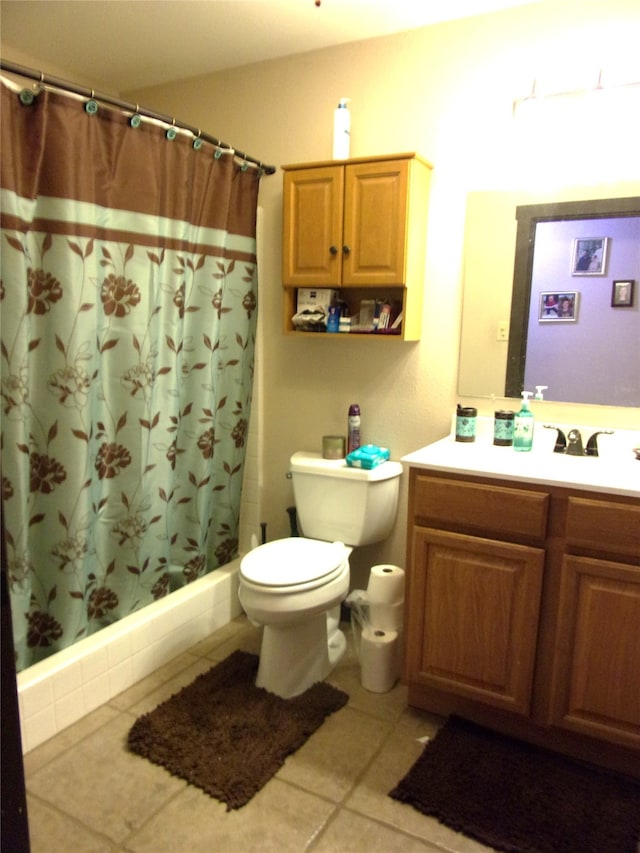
(353, 434)
(466, 423)
(539, 389)
(523, 425)
(333, 320)
(384, 316)
(341, 130)
(345, 324)
(368, 456)
(503, 428)
(366, 319)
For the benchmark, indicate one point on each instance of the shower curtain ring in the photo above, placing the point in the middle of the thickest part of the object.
(91, 107)
(197, 142)
(171, 132)
(136, 118)
(27, 97)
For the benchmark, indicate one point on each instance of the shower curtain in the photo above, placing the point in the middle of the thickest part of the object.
(128, 300)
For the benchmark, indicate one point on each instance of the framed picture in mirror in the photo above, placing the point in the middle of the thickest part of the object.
(622, 293)
(558, 307)
(589, 256)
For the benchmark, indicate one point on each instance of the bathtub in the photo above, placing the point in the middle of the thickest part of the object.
(58, 691)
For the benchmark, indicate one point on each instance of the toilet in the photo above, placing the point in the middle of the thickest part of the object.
(294, 586)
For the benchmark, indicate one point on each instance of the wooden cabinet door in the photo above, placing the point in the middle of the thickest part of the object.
(375, 223)
(473, 621)
(596, 683)
(312, 227)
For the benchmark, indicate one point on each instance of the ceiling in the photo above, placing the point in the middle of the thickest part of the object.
(119, 45)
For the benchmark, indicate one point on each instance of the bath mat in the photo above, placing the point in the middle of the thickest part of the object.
(520, 798)
(227, 736)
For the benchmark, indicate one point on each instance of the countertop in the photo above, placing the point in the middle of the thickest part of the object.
(616, 471)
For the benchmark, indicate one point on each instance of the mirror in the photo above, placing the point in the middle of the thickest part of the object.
(501, 233)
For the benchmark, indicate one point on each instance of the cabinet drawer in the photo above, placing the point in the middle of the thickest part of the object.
(482, 507)
(604, 526)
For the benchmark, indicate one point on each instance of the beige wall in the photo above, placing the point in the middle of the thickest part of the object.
(446, 92)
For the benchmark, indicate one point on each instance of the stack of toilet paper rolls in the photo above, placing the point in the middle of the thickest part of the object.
(380, 641)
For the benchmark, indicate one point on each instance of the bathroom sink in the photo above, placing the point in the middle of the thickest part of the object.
(616, 470)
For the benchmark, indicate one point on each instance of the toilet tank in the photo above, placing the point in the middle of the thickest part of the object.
(337, 503)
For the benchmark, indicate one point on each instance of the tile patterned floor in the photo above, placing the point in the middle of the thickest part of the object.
(87, 794)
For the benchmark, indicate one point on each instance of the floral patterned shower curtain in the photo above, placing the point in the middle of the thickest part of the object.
(128, 301)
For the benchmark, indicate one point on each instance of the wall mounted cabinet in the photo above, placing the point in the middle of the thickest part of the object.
(522, 612)
(359, 226)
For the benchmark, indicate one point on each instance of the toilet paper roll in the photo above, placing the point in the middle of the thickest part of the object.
(386, 584)
(387, 617)
(379, 659)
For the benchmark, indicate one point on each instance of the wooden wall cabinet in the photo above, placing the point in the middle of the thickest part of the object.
(523, 612)
(358, 226)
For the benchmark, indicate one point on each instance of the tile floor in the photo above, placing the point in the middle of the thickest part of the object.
(87, 794)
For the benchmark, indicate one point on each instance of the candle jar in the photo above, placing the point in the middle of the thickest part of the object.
(503, 428)
(466, 423)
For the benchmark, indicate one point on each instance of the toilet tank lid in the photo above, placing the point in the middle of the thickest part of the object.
(308, 462)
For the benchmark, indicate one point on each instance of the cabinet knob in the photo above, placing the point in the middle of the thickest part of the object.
(346, 250)
(333, 250)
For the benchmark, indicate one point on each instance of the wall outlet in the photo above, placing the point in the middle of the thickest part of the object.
(503, 331)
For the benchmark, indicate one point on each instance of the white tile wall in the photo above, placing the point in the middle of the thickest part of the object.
(251, 509)
(57, 692)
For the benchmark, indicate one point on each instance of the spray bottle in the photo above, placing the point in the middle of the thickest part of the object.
(523, 425)
(341, 130)
(353, 440)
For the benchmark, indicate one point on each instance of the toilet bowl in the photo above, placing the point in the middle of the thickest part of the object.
(294, 586)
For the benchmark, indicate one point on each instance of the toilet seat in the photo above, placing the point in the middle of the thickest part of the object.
(294, 564)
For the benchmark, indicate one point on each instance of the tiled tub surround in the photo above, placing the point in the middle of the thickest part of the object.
(60, 690)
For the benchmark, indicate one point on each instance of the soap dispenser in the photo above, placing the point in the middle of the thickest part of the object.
(539, 395)
(523, 425)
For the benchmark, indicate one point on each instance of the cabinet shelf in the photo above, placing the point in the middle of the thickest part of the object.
(358, 226)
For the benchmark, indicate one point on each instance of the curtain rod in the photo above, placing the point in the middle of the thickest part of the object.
(47, 80)
(598, 87)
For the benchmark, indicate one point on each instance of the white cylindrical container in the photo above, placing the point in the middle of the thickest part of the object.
(387, 617)
(341, 130)
(378, 659)
(386, 584)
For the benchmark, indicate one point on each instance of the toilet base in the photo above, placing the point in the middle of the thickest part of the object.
(293, 657)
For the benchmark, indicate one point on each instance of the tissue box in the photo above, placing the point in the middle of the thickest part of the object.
(368, 456)
(314, 299)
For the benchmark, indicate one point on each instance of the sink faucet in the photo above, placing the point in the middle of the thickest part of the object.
(571, 444)
(561, 439)
(592, 444)
(574, 447)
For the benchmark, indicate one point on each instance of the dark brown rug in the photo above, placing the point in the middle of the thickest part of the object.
(519, 798)
(227, 736)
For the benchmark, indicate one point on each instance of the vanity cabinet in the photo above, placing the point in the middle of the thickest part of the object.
(596, 674)
(523, 611)
(358, 226)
